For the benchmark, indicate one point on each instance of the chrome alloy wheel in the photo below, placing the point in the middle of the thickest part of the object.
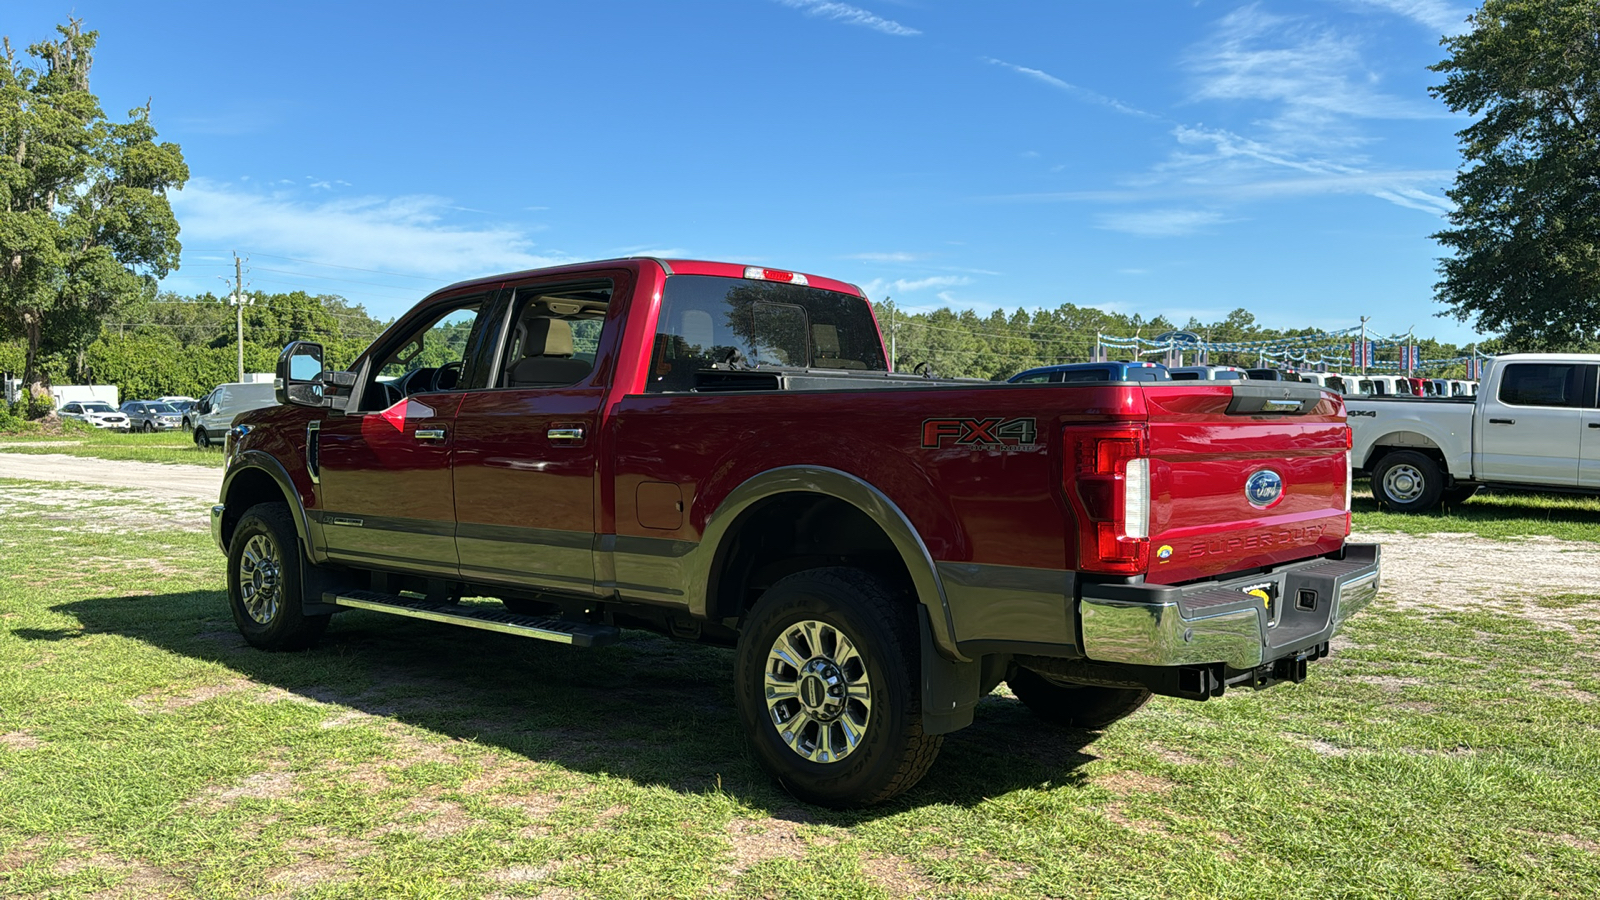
(818, 693)
(1403, 483)
(260, 568)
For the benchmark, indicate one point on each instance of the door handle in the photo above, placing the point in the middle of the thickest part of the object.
(565, 434)
(430, 434)
(1594, 424)
(1502, 421)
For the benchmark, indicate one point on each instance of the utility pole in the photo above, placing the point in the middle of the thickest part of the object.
(238, 308)
(1361, 352)
(889, 302)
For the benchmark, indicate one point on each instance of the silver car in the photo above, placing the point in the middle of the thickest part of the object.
(151, 416)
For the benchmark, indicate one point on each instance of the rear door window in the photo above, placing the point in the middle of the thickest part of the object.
(1542, 384)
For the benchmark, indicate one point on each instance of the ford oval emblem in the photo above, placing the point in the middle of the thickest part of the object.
(1264, 488)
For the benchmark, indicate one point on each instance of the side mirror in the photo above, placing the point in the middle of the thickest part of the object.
(298, 380)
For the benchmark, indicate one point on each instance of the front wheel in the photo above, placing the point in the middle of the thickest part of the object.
(828, 687)
(1074, 705)
(201, 439)
(1407, 481)
(265, 589)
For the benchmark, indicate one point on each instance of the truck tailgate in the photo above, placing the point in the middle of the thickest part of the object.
(1243, 476)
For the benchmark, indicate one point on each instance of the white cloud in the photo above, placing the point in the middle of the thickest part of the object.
(851, 15)
(1312, 70)
(1161, 222)
(396, 234)
(1443, 18)
(878, 287)
(1080, 93)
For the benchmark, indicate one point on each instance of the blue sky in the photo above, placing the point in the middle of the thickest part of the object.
(1177, 158)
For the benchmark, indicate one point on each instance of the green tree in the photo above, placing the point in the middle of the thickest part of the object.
(84, 217)
(1526, 229)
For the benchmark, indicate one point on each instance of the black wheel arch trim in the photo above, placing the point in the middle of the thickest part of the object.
(843, 486)
(265, 462)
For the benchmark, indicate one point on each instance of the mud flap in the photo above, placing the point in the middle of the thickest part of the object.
(949, 689)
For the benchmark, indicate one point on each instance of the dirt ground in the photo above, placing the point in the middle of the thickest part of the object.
(156, 478)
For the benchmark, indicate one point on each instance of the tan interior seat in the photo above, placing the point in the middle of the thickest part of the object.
(547, 359)
(825, 349)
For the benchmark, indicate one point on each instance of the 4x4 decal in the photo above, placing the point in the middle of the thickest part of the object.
(993, 433)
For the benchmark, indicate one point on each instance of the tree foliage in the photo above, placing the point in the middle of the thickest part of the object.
(966, 345)
(84, 217)
(1526, 230)
(186, 345)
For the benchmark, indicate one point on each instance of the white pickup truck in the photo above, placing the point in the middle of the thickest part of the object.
(1535, 425)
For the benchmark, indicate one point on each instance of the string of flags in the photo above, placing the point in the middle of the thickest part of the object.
(1319, 350)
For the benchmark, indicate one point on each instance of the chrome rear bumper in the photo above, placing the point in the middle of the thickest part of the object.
(1216, 622)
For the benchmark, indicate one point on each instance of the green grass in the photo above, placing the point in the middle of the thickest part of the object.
(161, 447)
(1501, 515)
(144, 750)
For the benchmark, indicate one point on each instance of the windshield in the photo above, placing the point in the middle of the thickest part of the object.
(708, 321)
(160, 408)
(97, 407)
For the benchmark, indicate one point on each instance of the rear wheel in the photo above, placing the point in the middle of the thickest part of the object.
(265, 589)
(829, 690)
(1407, 481)
(1074, 705)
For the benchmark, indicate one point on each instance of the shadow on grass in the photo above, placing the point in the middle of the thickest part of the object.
(1493, 513)
(649, 709)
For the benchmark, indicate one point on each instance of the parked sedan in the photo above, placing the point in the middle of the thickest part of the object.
(152, 415)
(98, 413)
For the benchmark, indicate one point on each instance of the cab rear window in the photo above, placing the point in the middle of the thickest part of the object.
(711, 322)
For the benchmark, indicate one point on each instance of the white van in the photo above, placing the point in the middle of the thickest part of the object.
(213, 415)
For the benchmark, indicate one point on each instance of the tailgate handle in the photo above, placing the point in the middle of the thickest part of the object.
(430, 434)
(565, 434)
(1502, 421)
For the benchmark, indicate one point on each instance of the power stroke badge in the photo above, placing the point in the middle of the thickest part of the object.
(993, 433)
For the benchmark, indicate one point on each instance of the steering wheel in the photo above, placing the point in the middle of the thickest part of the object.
(446, 377)
(416, 381)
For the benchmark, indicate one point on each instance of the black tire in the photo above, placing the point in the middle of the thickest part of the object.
(1407, 481)
(149, 428)
(891, 752)
(1459, 494)
(1074, 705)
(266, 533)
(201, 439)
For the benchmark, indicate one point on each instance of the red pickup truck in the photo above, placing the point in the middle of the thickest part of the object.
(720, 453)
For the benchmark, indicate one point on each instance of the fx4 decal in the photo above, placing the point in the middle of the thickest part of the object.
(994, 433)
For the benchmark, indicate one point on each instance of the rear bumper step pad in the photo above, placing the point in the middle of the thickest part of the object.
(544, 628)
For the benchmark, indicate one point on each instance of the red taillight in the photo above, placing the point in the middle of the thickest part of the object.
(759, 274)
(1107, 479)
